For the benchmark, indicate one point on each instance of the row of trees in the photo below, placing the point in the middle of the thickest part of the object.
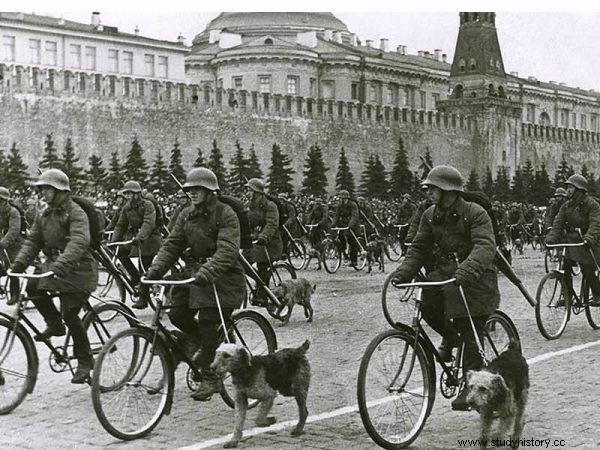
(528, 184)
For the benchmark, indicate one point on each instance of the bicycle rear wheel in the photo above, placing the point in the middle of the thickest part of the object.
(592, 314)
(132, 383)
(396, 389)
(398, 304)
(105, 321)
(552, 310)
(18, 365)
(393, 248)
(332, 257)
(499, 331)
(297, 254)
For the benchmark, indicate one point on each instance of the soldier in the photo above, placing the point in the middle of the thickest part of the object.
(137, 221)
(62, 233)
(182, 202)
(457, 237)
(560, 196)
(291, 222)
(346, 215)
(319, 216)
(117, 209)
(580, 214)
(10, 243)
(264, 221)
(207, 236)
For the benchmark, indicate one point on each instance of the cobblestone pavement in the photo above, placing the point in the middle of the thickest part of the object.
(563, 398)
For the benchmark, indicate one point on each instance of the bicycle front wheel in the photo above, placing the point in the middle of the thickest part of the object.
(297, 254)
(393, 249)
(592, 313)
(396, 389)
(552, 309)
(398, 305)
(132, 383)
(332, 257)
(18, 365)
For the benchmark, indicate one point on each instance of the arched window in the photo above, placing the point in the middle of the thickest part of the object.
(472, 64)
(501, 92)
(461, 65)
(498, 65)
(545, 119)
(269, 41)
(458, 91)
(492, 63)
(491, 91)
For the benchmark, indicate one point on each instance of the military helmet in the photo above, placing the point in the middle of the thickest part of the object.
(560, 192)
(55, 178)
(256, 184)
(447, 178)
(578, 181)
(201, 177)
(4, 194)
(344, 194)
(132, 186)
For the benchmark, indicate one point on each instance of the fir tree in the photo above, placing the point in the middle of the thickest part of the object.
(542, 188)
(135, 167)
(159, 175)
(279, 179)
(502, 184)
(254, 170)
(366, 177)
(50, 155)
(488, 183)
(17, 176)
(426, 164)
(114, 179)
(401, 178)
(528, 177)
(315, 173)
(176, 168)
(344, 178)
(561, 174)
(473, 181)
(518, 186)
(215, 163)
(199, 162)
(379, 180)
(4, 164)
(69, 165)
(238, 171)
(96, 174)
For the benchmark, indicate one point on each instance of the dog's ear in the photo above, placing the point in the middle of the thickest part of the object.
(246, 356)
(500, 390)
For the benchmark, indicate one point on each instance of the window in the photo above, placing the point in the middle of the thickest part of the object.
(573, 120)
(98, 82)
(292, 85)
(113, 60)
(149, 65)
(35, 56)
(140, 88)
(128, 62)
(90, 58)
(564, 118)
(594, 123)
(461, 65)
(436, 99)
(472, 64)
(264, 83)
(530, 113)
(126, 87)
(403, 97)
(328, 89)
(237, 82)
(50, 56)
(354, 91)
(163, 66)
(112, 85)
(313, 87)
(423, 99)
(8, 42)
(583, 123)
(82, 82)
(67, 81)
(75, 55)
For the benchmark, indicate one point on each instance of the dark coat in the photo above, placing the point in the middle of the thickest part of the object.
(464, 229)
(581, 212)
(292, 223)
(137, 220)
(347, 215)
(62, 233)
(10, 229)
(264, 220)
(208, 239)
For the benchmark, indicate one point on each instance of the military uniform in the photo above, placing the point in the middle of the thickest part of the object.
(10, 229)
(347, 215)
(264, 220)
(319, 215)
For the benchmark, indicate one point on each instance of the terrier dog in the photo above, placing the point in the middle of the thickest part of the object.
(291, 292)
(261, 377)
(375, 253)
(499, 391)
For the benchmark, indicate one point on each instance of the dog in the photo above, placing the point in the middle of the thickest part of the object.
(286, 371)
(291, 292)
(375, 253)
(499, 393)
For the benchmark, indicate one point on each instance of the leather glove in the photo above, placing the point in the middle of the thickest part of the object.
(135, 241)
(261, 241)
(461, 280)
(152, 274)
(587, 243)
(400, 278)
(18, 267)
(57, 273)
(201, 279)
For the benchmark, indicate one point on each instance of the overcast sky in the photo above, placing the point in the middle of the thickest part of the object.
(547, 44)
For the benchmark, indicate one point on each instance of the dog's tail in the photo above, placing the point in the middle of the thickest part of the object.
(304, 347)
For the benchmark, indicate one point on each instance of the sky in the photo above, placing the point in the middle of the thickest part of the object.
(537, 39)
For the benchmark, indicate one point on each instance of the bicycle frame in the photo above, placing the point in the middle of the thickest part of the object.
(251, 272)
(340, 229)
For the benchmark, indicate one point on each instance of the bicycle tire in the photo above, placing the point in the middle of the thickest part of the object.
(398, 305)
(499, 331)
(280, 272)
(374, 399)
(110, 288)
(550, 316)
(261, 341)
(332, 257)
(107, 320)
(297, 256)
(15, 366)
(393, 249)
(143, 368)
(592, 313)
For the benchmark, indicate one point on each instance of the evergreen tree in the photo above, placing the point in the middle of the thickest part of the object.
(426, 164)
(344, 178)
(379, 180)
(502, 184)
(199, 162)
(592, 184)
(528, 177)
(176, 168)
(159, 175)
(473, 182)
(401, 178)
(315, 173)
(215, 163)
(518, 186)
(4, 164)
(254, 170)
(116, 174)
(542, 189)
(17, 176)
(488, 183)
(69, 165)
(561, 174)
(96, 174)
(238, 171)
(50, 155)
(135, 167)
(366, 178)
(279, 179)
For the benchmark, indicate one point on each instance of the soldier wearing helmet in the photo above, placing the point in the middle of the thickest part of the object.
(578, 219)
(138, 222)
(456, 239)
(62, 233)
(182, 202)
(10, 240)
(347, 215)
(264, 220)
(560, 196)
(207, 236)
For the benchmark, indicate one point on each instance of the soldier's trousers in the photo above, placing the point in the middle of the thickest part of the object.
(589, 273)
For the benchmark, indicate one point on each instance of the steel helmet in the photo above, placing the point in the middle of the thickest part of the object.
(132, 186)
(4, 194)
(560, 192)
(256, 184)
(578, 181)
(447, 178)
(201, 177)
(344, 194)
(54, 178)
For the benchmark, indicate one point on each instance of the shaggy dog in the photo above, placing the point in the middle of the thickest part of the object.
(375, 253)
(499, 391)
(261, 377)
(292, 292)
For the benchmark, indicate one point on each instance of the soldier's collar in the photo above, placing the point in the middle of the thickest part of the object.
(206, 208)
(59, 201)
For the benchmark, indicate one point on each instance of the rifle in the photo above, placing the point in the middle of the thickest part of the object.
(180, 186)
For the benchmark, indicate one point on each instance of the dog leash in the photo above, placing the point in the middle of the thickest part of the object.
(221, 313)
(477, 341)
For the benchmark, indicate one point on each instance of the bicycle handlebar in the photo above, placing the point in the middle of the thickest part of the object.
(145, 280)
(311, 225)
(566, 244)
(340, 228)
(401, 225)
(425, 283)
(10, 273)
(116, 243)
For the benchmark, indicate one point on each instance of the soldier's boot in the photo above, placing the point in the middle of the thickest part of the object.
(143, 299)
(13, 298)
(211, 384)
(54, 328)
(84, 367)
(445, 350)
(460, 402)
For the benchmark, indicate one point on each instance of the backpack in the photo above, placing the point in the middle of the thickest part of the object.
(95, 218)
(159, 211)
(24, 223)
(242, 213)
(281, 209)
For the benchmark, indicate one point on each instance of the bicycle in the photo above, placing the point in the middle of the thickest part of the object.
(555, 302)
(134, 375)
(334, 250)
(395, 248)
(397, 375)
(19, 360)
(297, 255)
